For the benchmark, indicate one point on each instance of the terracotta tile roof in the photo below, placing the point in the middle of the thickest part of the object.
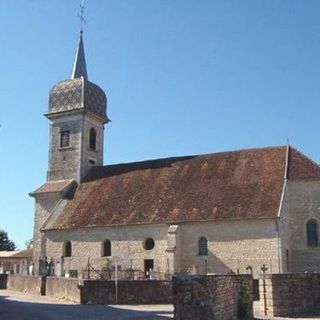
(28, 253)
(301, 167)
(7, 254)
(229, 185)
(53, 186)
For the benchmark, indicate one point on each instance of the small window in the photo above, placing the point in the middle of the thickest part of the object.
(312, 233)
(92, 162)
(106, 248)
(67, 249)
(65, 138)
(92, 139)
(149, 244)
(203, 246)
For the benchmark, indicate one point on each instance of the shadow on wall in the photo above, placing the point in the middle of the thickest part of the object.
(211, 264)
(305, 260)
(207, 264)
(136, 233)
(117, 169)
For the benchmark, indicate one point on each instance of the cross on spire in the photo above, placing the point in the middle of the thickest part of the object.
(81, 16)
(79, 66)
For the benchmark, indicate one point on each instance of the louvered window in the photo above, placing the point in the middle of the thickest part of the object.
(65, 138)
(92, 139)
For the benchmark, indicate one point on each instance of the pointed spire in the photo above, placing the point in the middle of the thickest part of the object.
(79, 65)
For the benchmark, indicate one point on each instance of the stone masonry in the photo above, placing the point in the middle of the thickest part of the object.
(301, 203)
(176, 249)
(223, 297)
(289, 294)
(73, 161)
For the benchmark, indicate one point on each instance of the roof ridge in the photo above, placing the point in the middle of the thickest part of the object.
(192, 156)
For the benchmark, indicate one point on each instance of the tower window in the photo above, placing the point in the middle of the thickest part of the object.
(92, 139)
(67, 252)
(312, 233)
(203, 246)
(106, 248)
(65, 138)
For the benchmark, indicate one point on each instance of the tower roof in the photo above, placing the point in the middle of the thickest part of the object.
(78, 93)
(79, 66)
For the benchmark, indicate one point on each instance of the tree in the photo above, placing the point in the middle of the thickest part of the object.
(5, 243)
(29, 243)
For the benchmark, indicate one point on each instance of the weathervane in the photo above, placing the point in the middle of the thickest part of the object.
(81, 16)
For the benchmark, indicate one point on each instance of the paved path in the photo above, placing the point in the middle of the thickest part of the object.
(17, 305)
(286, 318)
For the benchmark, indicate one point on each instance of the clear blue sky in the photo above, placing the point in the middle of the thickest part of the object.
(182, 77)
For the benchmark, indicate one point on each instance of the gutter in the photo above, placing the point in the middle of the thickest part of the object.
(277, 221)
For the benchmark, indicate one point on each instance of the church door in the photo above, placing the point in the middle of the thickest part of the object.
(148, 264)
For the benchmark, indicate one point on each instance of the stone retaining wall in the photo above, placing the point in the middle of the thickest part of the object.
(93, 291)
(216, 297)
(63, 288)
(104, 292)
(129, 292)
(289, 294)
(28, 284)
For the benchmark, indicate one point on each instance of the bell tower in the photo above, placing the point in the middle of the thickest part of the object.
(77, 114)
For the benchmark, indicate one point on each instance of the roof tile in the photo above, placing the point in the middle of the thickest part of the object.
(229, 185)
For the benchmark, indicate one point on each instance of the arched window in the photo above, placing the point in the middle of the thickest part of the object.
(64, 138)
(92, 139)
(106, 248)
(312, 233)
(67, 252)
(203, 246)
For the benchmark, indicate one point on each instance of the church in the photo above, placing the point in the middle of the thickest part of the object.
(213, 213)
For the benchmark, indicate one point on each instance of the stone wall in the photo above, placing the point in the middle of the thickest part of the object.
(44, 204)
(129, 292)
(301, 203)
(231, 245)
(93, 291)
(289, 294)
(28, 284)
(216, 297)
(3, 281)
(88, 154)
(104, 292)
(72, 162)
(64, 163)
(127, 247)
(63, 288)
